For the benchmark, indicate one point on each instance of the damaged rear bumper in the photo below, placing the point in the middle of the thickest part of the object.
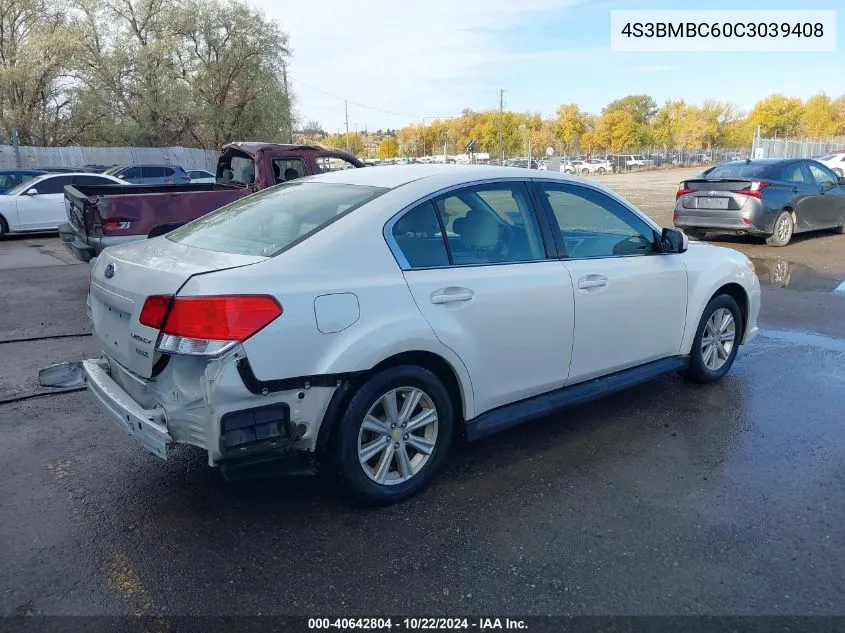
(146, 425)
(206, 405)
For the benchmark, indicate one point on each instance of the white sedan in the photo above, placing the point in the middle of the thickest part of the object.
(328, 322)
(39, 204)
(201, 176)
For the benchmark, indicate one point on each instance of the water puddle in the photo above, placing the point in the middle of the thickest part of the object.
(805, 339)
(781, 273)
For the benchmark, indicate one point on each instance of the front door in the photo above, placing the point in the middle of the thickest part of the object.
(630, 301)
(489, 291)
(44, 210)
(828, 205)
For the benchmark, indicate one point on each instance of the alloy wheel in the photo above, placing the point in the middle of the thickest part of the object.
(398, 435)
(718, 339)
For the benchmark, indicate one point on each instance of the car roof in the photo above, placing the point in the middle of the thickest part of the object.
(13, 172)
(151, 165)
(392, 176)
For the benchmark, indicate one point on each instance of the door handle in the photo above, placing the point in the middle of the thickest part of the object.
(451, 295)
(592, 281)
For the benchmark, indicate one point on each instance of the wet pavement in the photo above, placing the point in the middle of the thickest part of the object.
(669, 498)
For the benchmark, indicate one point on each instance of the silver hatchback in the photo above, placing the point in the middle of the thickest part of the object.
(772, 198)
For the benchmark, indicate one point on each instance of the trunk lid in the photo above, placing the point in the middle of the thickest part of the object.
(724, 194)
(122, 279)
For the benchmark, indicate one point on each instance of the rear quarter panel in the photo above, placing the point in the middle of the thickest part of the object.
(708, 269)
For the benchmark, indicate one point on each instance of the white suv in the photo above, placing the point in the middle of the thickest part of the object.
(361, 319)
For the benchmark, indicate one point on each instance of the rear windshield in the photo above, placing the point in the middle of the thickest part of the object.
(267, 222)
(737, 170)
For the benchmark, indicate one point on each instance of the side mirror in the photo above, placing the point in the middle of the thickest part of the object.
(31, 192)
(842, 181)
(827, 185)
(673, 241)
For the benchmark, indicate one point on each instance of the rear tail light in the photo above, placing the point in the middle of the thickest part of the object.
(207, 326)
(116, 224)
(753, 189)
(682, 190)
(185, 178)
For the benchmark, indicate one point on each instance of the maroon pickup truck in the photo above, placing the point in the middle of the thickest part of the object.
(104, 215)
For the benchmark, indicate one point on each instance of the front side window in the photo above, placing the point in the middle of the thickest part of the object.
(53, 185)
(131, 173)
(822, 175)
(269, 221)
(592, 224)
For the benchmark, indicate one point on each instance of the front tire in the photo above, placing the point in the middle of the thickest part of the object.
(4, 228)
(716, 342)
(394, 436)
(784, 228)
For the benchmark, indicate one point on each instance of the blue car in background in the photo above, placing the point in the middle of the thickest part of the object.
(13, 177)
(150, 174)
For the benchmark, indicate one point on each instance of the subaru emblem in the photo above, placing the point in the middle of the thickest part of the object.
(108, 273)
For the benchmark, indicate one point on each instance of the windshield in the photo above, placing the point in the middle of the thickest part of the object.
(737, 170)
(26, 184)
(113, 170)
(828, 157)
(267, 222)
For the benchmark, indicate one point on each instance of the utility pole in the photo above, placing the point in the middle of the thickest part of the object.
(288, 118)
(501, 109)
(346, 113)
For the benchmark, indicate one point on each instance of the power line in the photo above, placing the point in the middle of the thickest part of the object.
(357, 103)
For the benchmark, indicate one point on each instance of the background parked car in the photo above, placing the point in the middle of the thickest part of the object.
(150, 174)
(96, 169)
(773, 198)
(10, 178)
(39, 204)
(201, 175)
(835, 161)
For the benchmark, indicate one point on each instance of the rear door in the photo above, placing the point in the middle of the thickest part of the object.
(805, 193)
(829, 202)
(491, 292)
(46, 209)
(630, 302)
(153, 175)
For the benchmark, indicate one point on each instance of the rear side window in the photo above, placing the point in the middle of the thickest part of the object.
(153, 172)
(287, 169)
(267, 222)
(418, 236)
(793, 173)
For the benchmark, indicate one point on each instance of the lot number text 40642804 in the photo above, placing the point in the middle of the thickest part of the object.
(417, 624)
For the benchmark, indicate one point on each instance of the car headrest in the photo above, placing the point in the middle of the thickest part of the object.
(480, 230)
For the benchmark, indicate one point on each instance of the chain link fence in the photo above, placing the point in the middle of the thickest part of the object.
(77, 156)
(793, 148)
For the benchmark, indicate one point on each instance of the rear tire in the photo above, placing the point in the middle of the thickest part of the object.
(402, 468)
(716, 341)
(783, 230)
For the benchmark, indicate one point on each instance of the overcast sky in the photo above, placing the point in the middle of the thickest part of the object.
(419, 59)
